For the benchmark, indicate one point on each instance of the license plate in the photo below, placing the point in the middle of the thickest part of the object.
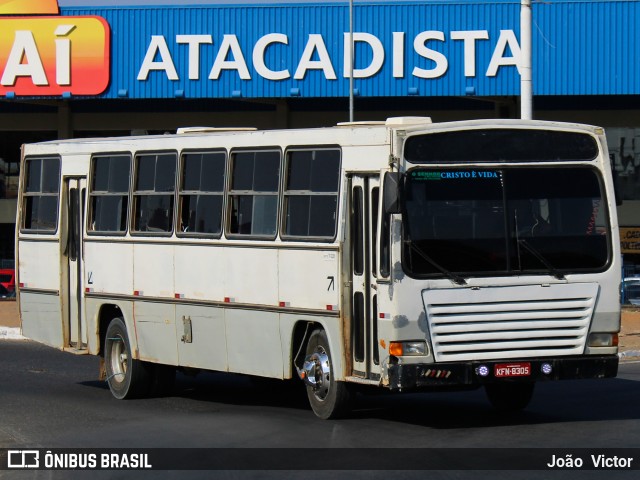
(512, 370)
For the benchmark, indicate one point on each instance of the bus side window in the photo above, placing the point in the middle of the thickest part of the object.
(201, 193)
(311, 193)
(42, 191)
(109, 193)
(154, 192)
(253, 195)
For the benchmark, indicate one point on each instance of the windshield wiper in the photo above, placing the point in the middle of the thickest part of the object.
(450, 275)
(540, 257)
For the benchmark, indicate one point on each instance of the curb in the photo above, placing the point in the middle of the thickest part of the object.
(629, 354)
(7, 333)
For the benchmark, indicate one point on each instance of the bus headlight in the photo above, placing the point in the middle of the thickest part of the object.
(603, 340)
(411, 348)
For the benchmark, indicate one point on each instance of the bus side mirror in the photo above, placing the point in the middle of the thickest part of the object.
(391, 195)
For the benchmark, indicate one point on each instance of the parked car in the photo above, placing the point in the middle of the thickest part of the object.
(4, 293)
(631, 290)
(8, 278)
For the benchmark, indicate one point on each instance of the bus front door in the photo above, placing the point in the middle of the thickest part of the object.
(75, 190)
(364, 301)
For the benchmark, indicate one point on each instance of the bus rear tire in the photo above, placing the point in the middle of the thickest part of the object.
(509, 397)
(126, 376)
(328, 398)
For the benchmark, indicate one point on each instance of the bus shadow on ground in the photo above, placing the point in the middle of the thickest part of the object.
(553, 402)
(236, 389)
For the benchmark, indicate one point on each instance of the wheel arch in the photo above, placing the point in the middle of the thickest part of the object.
(108, 312)
(300, 332)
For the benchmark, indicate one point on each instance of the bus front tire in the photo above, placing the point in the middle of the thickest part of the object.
(328, 398)
(509, 397)
(126, 376)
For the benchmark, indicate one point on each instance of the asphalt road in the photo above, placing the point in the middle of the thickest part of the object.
(50, 399)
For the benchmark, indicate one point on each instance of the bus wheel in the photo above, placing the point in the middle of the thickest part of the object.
(127, 377)
(328, 398)
(509, 397)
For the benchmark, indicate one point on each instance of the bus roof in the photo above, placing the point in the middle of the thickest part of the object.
(343, 134)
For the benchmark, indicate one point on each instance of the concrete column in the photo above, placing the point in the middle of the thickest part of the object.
(526, 84)
(282, 114)
(65, 129)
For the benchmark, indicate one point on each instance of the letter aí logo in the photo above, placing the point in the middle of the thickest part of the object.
(51, 55)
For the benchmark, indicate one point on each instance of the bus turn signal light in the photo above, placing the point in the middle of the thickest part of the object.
(395, 348)
(411, 348)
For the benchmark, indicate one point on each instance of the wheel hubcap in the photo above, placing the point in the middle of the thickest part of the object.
(317, 372)
(119, 359)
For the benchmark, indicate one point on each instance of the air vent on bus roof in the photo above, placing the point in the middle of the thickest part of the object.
(407, 121)
(390, 122)
(187, 130)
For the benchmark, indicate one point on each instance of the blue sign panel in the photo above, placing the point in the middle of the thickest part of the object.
(433, 48)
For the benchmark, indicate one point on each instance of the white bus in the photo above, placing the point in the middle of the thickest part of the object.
(404, 255)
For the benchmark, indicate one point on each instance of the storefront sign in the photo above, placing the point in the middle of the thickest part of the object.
(630, 239)
(28, 7)
(52, 56)
(316, 56)
(302, 48)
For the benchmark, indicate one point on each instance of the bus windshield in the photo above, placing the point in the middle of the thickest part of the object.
(504, 221)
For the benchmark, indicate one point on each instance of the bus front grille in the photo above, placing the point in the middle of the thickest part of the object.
(509, 322)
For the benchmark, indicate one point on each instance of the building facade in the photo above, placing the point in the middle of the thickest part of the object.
(77, 68)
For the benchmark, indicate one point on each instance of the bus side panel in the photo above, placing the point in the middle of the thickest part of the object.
(253, 342)
(251, 275)
(154, 321)
(309, 278)
(153, 270)
(156, 332)
(41, 311)
(109, 267)
(207, 346)
(40, 265)
(108, 270)
(42, 318)
(200, 275)
(200, 272)
(253, 335)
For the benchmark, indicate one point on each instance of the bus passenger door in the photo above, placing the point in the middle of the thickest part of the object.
(364, 308)
(75, 190)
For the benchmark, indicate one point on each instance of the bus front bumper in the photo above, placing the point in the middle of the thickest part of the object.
(474, 374)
